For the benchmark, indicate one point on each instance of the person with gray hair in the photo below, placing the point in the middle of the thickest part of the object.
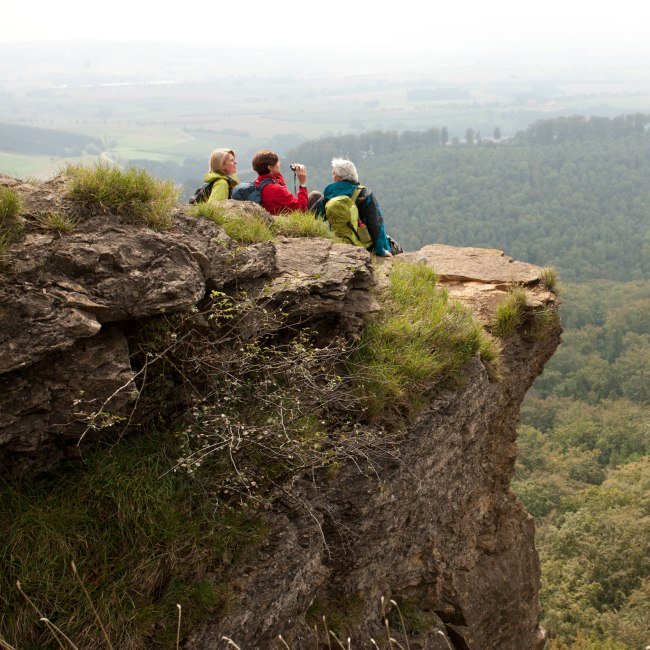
(345, 170)
(346, 183)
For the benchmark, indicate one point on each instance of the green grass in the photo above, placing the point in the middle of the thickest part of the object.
(549, 278)
(244, 228)
(58, 222)
(131, 193)
(422, 337)
(510, 313)
(300, 224)
(10, 224)
(143, 539)
(340, 613)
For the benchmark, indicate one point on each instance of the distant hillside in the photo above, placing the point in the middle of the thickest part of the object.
(580, 202)
(18, 138)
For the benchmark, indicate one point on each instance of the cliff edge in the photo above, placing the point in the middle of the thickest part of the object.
(429, 522)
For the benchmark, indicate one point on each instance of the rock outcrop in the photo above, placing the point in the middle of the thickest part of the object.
(68, 299)
(434, 526)
(437, 529)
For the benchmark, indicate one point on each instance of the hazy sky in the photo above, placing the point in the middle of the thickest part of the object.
(402, 29)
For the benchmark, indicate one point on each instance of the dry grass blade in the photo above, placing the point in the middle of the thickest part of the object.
(51, 626)
(385, 619)
(41, 618)
(444, 636)
(283, 642)
(178, 627)
(92, 606)
(337, 640)
(401, 618)
(230, 642)
(5, 646)
(327, 636)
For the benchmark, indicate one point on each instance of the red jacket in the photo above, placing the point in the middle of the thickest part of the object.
(276, 198)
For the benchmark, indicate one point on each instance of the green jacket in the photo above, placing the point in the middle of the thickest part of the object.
(222, 186)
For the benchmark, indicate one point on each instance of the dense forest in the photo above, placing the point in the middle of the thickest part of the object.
(577, 199)
(584, 470)
(574, 193)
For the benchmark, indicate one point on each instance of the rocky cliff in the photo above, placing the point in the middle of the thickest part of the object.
(433, 526)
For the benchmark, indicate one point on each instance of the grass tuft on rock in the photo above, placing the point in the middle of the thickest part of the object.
(549, 278)
(59, 222)
(300, 224)
(131, 193)
(243, 228)
(510, 313)
(422, 337)
(10, 223)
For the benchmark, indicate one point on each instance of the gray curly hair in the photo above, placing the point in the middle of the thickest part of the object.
(345, 170)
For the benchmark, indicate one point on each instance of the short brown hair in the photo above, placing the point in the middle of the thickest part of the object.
(218, 158)
(263, 160)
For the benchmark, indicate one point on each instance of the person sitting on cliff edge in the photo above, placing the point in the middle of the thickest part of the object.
(345, 182)
(276, 198)
(222, 174)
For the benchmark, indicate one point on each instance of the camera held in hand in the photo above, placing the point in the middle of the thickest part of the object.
(294, 167)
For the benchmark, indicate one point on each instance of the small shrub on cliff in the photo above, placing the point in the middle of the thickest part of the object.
(421, 337)
(300, 224)
(131, 193)
(247, 229)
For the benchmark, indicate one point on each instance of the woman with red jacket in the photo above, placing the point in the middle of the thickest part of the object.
(276, 198)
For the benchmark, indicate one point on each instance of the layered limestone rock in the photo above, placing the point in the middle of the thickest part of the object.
(67, 298)
(433, 525)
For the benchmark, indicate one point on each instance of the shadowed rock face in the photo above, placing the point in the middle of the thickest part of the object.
(433, 525)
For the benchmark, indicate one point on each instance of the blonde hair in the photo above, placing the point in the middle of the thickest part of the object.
(218, 159)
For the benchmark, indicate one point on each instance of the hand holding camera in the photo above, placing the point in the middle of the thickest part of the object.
(300, 171)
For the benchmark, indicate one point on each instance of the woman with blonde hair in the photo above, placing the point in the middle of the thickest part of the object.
(222, 174)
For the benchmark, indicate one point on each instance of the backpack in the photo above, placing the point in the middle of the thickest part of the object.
(395, 247)
(343, 217)
(202, 193)
(248, 191)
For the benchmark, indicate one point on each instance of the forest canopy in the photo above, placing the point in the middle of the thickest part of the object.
(568, 192)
